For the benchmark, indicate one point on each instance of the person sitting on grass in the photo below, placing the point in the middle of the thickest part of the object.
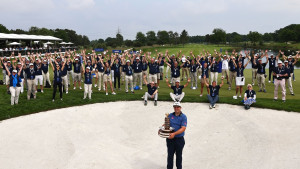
(178, 95)
(57, 81)
(250, 97)
(152, 92)
(214, 92)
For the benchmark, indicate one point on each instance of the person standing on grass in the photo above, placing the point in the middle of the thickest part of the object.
(152, 71)
(10, 68)
(205, 73)
(249, 97)
(193, 71)
(289, 64)
(254, 67)
(152, 92)
(137, 68)
(176, 142)
(88, 83)
(240, 78)
(128, 76)
(272, 63)
(15, 86)
(175, 72)
(70, 71)
(144, 67)
(100, 70)
(213, 97)
(261, 71)
(177, 94)
(117, 73)
(107, 76)
(77, 72)
(30, 73)
(3, 60)
(45, 72)
(232, 71)
(214, 66)
(20, 68)
(57, 79)
(38, 74)
(280, 74)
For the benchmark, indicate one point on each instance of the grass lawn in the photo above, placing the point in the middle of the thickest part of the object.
(74, 98)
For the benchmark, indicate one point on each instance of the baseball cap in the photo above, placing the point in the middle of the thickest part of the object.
(88, 61)
(286, 61)
(259, 59)
(177, 81)
(137, 57)
(88, 68)
(15, 71)
(76, 59)
(290, 57)
(30, 64)
(127, 61)
(177, 104)
(19, 63)
(279, 62)
(8, 61)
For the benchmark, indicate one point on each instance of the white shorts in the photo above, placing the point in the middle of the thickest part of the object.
(39, 79)
(240, 81)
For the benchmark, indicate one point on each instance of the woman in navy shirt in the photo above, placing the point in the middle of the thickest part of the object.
(240, 79)
(57, 80)
(249, 97)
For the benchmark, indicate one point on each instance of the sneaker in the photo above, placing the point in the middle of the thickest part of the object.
(210, 107)
(158, 87)
(155, 103)
(132, 91)
(84, 98)
(240, 96)
(265, 91)
(80, 88)
(235, 97)
(145, 104)
(99, 89)
(200, 95)
(293, 94)
(143, 97)
(106, 94)
(113, 93)
(67, 92)
(42, 91)
(260, 90)
(126, 91)
(283, 101)
(74, 88)
(194, 88)
(229, 88)
(61, 99)
(95, 85)
(52, 100)
(252, 84)
(141, 88)
(214, 106)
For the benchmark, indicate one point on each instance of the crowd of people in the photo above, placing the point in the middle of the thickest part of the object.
(104, 71)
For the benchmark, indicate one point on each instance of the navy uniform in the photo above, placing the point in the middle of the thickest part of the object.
(88, 84)
(128, 78)
(31, 87)
(57, 81)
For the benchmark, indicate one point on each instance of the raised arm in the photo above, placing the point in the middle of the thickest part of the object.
(168, 84)
(222, 82)
(145, 80)
(187, 83)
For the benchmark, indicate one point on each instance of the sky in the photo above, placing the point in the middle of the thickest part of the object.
(102, 18)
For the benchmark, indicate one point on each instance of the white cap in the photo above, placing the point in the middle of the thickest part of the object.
(8, 61)
(225, 55)
(88, 61)
(177, 104)
(88, 53)
(30, 64)
(286, 61)
(15, 71)
(36, 59)
(138, 58)
(156, 60)
(290, 57)
(45, 60)
(76, 59)
(88, 68)
(127, 61)
(77, 55)
(259, 59)
(279, 62)
(177, 81)
(19, 63)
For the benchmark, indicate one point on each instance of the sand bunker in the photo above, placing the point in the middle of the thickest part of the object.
(123, 135)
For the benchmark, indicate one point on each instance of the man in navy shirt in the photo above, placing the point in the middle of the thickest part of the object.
(205, 73)
(64, 75)
(232, 71)
(176, 142)
(77, 72)
(45, 72)
(280, 75)
(128, 76)
(30, 73)
(261, 71)
(152, 92)
(152, 71)
(138, 68)
(254, 67)
(144, 67)
(193, 71)
(214, 93)
(272, 62)
(177, 95)
(100, 69)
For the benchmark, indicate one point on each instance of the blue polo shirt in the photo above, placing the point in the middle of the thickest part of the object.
(152, 68)
(177, 122)
(137, 66)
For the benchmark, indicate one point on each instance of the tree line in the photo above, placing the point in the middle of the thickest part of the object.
(150, 38)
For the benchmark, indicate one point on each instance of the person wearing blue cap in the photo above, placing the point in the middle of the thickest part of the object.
(176, 142)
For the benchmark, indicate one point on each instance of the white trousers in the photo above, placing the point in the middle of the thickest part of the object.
(176, 98)
(87, 90)
(14, 92)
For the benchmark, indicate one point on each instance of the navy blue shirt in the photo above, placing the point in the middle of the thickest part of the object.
(175, 71)
(177, 91)
(11, 80)
(77, 67)
(57, 76)
(21, 74)
(240, 71)
(144, 66)
(272, 62)
(261, 68)
(100, 67)
(152, 68)
(137, 66)
(30, 73)
(250, 93)
(88, 78)
(177, 122)
(253, 65)
(281, 71)
(151, 90)
(69, 66)
(205, 72)
(10, 68)
(291, 65)
(116, 68)
(45, 67)
(232, 66)
(38, 69)
(214, 91)
(128, 70)
(64, 71)
(193, 68)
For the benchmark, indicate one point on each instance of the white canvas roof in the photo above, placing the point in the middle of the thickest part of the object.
(27, 37)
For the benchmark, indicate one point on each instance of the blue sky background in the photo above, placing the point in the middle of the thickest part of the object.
(101, 18)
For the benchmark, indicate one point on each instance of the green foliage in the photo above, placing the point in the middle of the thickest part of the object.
(184, 37)
(3, 29)
(254, 37)
(162, 37)
(218, 36)
(151, 38)
(140, 39)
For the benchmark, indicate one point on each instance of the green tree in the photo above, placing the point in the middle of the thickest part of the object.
(151, 38)
(287, 35)
(162, 37)
(254, 37)
(3, 29)
(119, 39)
(140, 39)
(218, 36)
(111, 42)
(184, 37)
(267, 37)
(128, 43)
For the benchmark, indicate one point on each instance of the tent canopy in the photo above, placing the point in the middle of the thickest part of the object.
(14, 43)
(5, 36)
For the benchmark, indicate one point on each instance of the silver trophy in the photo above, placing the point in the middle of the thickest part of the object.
(166, 129)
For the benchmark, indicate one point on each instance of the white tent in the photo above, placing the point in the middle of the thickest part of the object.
(49, 43)
(14, 43)
(69, 43)
(62, 43)
(27, 37)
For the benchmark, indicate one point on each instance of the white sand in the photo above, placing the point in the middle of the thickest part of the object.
(123, 135)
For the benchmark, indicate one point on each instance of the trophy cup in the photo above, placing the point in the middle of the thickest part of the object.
(165, 130)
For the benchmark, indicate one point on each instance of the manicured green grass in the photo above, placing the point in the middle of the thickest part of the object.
(75, 98)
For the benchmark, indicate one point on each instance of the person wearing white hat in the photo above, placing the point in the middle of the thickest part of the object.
(107, 76)
(15, 86)
(261, 71)
(137, 66)
(3, 60)
(152, 71)
(193, 67)
(214, 67)
(176, 142)
(151, 93)
(240, 78)
(232, 71)
(30, 73)
(290, 68)
(10, 68)
(205, 74)
(225, 67)
(20, 68)
(77, 72)
(254, 67)
(249, 97)
(100, 70)
(177, 94)
(38, 74)
(272, 64)
(128, 76)
(185, 65)
(45, 71)
(280, 75)
(87, 82)
(175, 71)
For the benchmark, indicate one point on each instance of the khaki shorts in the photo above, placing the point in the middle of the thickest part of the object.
(152, 78)
(226, 72)
(77, 77)
(106, 78)
(202, 80)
